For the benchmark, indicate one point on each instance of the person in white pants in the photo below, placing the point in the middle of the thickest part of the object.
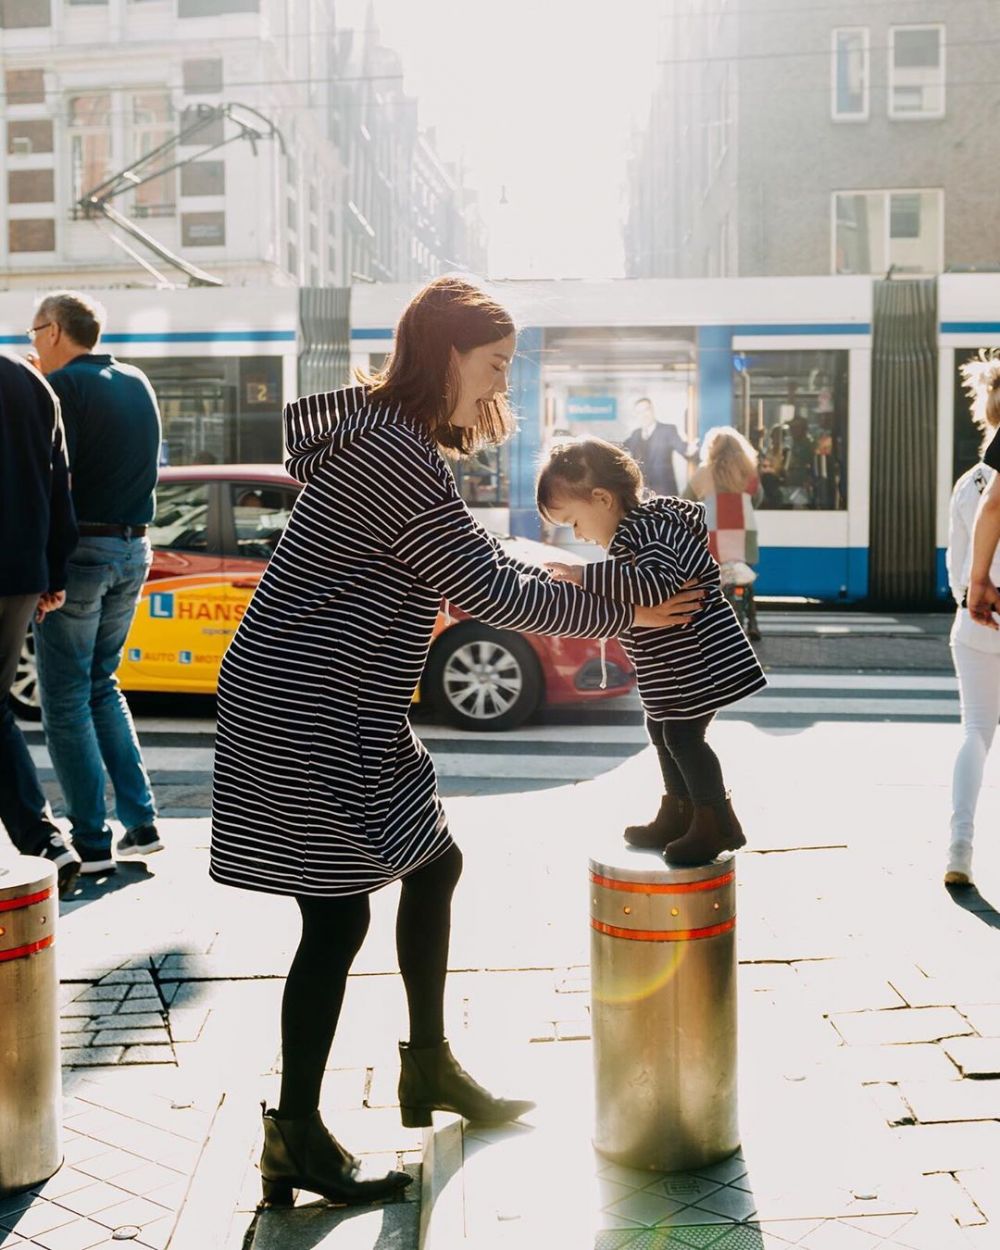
(975, 650)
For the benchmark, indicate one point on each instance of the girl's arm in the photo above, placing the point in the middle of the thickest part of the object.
(448, 550)
(656, 571)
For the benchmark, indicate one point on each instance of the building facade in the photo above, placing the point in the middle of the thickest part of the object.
(811, 138)
(321, 188)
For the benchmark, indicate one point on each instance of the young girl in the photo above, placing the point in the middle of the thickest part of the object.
(975, 650)
(685, 674)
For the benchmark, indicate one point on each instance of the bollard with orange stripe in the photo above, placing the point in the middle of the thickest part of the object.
(663, 986)
(30, 1076)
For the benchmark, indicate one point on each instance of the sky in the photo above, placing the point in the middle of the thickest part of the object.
(539, 98)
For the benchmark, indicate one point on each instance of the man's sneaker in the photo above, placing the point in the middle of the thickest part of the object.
(141, 841)
(67, 863)
(96, 858)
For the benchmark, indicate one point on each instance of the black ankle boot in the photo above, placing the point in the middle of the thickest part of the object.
(713, 829)
(430, 1079)
(670, 822)
(300, 1154)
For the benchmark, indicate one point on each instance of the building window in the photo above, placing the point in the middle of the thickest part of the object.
(19, 14)
(203, 178)
(292, 215)
(29, 138)
(916, 71)
(152, 125)
(202, 77)
(204, 123)
(214, 8)
(31, 186)
(293, 259)
(203, 229)
(89, 142)
(876, 230)
(28, 234)
(792, 406)
(851, 76)
(25, 86)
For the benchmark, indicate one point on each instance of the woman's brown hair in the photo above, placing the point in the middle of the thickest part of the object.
(730, 458)
(981, 379)
(585, 465)
(419, 375)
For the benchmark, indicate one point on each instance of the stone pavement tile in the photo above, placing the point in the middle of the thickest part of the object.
(984, 1019)
(880, 1225)
(157, 1234)
(40, 1217)
(92, 1198)
(838, 1235)
(137, 1020)
(162, 1053)
(959, 986)
(942, 1102)
(157, 1035)
(80, 1235)
(128, 976)
(366, 1130)
(91, 1056)
(948, 1147)
(943, 1194)
(907, 1024)
(11, 1241)
(186, 1023)
(735, 1204)
(927, 1232)
(77, 1149)
(138, 1211)
(892, 1107)
(135, 1006)
(11, 1204)
(975, 1056)
(645, 1208)
(149, 1178)
(65, 1181)
(389, 1227)
(110, 1164)
(102, 994)
(846, 985)
(983, 1186)
(919, 1061)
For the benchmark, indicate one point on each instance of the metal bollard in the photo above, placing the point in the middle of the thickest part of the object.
(30, 1073)
(663, 986)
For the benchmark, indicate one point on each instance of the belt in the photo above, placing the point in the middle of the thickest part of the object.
(91, 530)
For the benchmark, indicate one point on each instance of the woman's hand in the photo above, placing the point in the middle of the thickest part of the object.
(566, 572)
(679, 609)
(983, 600)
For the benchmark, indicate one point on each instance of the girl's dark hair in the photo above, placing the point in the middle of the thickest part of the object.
(419, 376)
(585, 465)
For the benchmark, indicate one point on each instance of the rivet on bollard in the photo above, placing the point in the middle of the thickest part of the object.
(627, 911)
(675, 911)
(126, 1232)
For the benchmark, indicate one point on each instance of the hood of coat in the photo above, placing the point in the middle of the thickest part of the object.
(319, 426)
(685, 511)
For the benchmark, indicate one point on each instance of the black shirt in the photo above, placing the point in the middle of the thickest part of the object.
(37, 528)
(992, 454)
(113, 438)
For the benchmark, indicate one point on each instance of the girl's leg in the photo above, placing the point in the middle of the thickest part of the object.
(673, 778)
(423, 931)
(694, 759)
(332, 932)
(979, 690)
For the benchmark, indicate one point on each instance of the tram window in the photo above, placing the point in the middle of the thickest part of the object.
(792, 406)
(484, 478)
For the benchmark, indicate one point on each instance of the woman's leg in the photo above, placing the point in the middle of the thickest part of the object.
(332, 932)
(694, 759)
(979, 689)
(423, 932)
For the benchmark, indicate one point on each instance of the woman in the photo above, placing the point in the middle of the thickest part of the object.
(322, 791)
(727, 482)
(976, 651)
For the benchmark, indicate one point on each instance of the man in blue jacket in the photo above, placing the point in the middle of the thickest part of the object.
(113, 438)
(37, 534)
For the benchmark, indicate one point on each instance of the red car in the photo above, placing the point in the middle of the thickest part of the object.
(216, 527)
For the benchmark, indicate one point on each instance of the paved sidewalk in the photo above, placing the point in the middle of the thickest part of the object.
(871, 1025)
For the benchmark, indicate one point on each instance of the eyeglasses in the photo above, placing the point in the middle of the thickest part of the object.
(34, 330)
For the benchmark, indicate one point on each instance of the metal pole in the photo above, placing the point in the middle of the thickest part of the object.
(663, 985)
(30, 1075)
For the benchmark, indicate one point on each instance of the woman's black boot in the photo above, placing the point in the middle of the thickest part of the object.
(430, 1079)
(300, 1154)
(670, 822)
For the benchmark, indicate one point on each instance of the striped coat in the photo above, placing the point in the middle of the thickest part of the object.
(687, 670)
(321, 787)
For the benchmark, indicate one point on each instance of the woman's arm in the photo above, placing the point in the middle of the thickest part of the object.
(984, 598)
(958, 548)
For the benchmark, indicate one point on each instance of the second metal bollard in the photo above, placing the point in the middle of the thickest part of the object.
(30, 1074)
(663, 985)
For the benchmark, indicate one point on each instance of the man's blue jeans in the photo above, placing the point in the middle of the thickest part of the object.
(88, 726)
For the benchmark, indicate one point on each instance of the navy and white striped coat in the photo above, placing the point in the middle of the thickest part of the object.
(689, 670)
(321, 787)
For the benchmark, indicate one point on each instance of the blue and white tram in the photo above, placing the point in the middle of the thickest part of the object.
(788, 362)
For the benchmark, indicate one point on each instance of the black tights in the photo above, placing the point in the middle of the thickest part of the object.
(690, 768)
(333, 930)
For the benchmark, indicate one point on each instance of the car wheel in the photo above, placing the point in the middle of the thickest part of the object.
(483, 678)
(24, 695)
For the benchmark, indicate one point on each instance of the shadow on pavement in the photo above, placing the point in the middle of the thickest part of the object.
(969, 899)
(91, 888)
(389, 1226)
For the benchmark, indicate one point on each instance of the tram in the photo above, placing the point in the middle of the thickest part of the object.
(847, 386)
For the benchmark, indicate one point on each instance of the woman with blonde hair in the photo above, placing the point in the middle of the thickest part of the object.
(727, 482)
(976, 651)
